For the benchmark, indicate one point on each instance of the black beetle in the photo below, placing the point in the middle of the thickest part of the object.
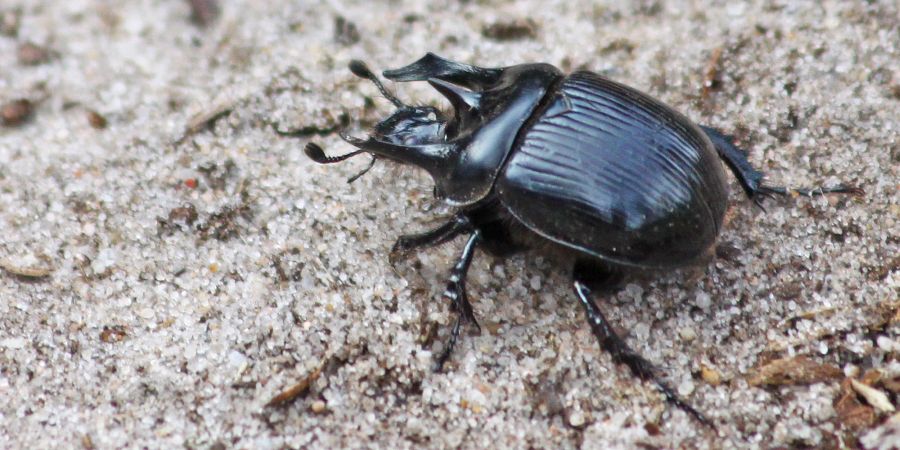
(534, 159)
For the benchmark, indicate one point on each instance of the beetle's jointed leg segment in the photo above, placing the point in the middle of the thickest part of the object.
(408, 243)
(751, 179)
(456, 292)
(621, 353)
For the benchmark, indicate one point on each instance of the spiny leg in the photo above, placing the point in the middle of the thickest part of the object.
(751, 179)
(408, 243)
(619, 350)
(456, 292)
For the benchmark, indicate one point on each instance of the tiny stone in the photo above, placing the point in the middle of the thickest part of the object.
(96, 120)
(16, 112)
(686, 388)
(885, 343)
(31, 54)
(704, 301)
(576, 418)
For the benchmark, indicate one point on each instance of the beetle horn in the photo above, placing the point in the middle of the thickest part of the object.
(462, 99)
(361, 70)
(433, 66)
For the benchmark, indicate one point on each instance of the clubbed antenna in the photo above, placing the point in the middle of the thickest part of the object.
(315, 153)
(361, 70)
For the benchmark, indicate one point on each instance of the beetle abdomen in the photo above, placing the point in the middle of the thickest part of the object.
(612, 172)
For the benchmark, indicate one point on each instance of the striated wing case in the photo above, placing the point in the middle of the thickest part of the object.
(627, 178)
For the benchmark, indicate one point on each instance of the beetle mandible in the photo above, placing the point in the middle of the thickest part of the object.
(609, 177)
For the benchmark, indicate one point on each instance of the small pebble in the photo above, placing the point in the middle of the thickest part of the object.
(688, 334)
(576, 419)
(32, 54)
(96, 120)
(16, 112)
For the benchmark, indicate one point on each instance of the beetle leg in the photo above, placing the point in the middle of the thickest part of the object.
(456, 292)
(620, 351)
(751, 179)
(408, 243)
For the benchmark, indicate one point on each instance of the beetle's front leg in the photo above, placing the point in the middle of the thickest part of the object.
(456, 292)
(408, 243)
(751, 179)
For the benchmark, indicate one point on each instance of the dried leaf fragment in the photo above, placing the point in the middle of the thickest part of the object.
(874, 397)
(24, 271)
(511, 30)
(205, 119)
(113, 334)
(710, 375)
(799, 370)
(290, 394)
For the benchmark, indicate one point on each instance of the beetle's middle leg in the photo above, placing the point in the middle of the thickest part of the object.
(751, 179)
(584, 275)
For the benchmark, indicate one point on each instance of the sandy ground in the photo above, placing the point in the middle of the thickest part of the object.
(174, 279)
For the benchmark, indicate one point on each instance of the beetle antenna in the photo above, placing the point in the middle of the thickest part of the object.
(315, 153)
(361, 70)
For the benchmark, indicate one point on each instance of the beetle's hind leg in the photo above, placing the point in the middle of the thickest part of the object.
(585, 275)
(751, 179)
(456, 292)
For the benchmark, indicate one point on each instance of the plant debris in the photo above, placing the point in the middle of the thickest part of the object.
(25, 271)
(290, 394)
(799, 370)
(511, 30)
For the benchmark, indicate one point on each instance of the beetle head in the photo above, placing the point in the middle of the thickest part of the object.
(411, 126)
(411, 135)
(464, 150)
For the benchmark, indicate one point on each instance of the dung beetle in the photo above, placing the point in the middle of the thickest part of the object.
(576, 165)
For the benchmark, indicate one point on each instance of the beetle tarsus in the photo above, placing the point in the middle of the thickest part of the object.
(771, 191)
(751, 179)
(451, 343)
(621, 353)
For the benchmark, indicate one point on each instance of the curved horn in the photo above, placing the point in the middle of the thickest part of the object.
(433, 66)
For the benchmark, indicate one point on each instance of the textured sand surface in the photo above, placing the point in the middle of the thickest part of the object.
(195, 276)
